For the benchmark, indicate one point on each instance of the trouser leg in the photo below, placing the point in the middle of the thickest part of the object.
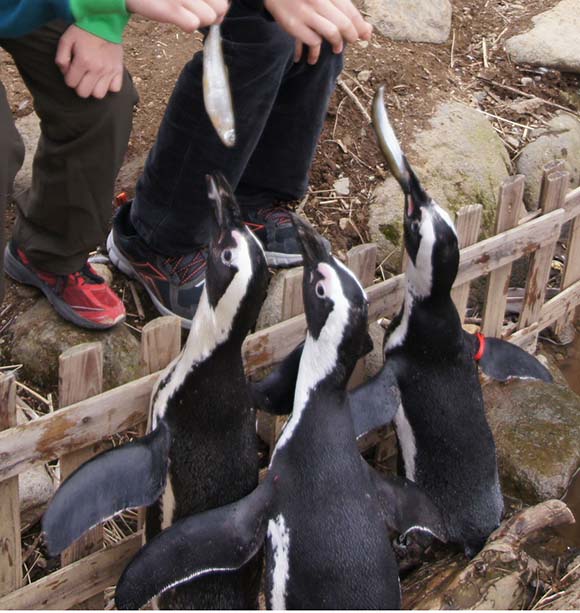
(11, 158)
(66, 212)
(280, 165)
(171, 209)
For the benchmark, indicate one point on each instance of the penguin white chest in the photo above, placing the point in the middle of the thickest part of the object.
(279, 537)
(407, 442)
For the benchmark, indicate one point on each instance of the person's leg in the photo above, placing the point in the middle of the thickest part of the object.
(11, 158)
(279, 167)
(159, 239)
(171, 209)
(67, 210)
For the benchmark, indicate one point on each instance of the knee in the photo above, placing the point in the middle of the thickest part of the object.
(329, 62)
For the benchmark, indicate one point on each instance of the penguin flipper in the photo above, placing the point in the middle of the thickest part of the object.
(375, 403)
(406, 507)
(132, 475)
(218, 540)
(275, 392)
(502, 360)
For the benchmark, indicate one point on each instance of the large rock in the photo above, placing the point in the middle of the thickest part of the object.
(29, 128)
(422, 21)
(536, 427)
(559, 141)
(553, 40)
(40, 335)
(460, 160)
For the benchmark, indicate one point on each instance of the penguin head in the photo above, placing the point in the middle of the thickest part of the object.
(237, 274)
(335, 303)
(431, 243)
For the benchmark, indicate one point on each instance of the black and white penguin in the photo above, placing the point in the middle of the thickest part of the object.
(201, 452)
(321, 509)
(446, 443)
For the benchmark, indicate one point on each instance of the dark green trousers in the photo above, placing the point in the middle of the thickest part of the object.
(67, 210)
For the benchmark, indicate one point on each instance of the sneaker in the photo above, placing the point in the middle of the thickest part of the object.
(82, 297)
(273, 227)
(174, 284)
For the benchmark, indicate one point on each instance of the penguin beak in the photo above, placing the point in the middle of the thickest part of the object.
(312, 246)
(226, 210)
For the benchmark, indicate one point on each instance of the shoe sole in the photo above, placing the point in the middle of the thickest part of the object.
(282, 260)
(124, 265)
(20, 273)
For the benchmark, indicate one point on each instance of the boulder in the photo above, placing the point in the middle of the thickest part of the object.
(553, 40)
(559, 141)
(460, 160)
(29, 128)
(272, 311)
(536, 427)
(422, 21)
(40, 335)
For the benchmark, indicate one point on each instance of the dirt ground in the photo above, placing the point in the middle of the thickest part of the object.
(417, 78)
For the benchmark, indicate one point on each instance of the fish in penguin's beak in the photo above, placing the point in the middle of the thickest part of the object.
(415, 196)
(314, 250)
(227, 214)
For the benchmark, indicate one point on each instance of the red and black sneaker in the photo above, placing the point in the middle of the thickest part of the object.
(82, 297)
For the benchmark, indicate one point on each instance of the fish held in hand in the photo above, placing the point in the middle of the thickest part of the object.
(217, 96)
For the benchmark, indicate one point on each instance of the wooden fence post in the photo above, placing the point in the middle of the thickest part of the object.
(10, 545)
(510, 200)
(571, 273)
(553, 193)
(362, 260)
(468, 224)
(80, 377)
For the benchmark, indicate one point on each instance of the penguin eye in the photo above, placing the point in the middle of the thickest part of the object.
(227, 257)
(320, 290)
(415, 225)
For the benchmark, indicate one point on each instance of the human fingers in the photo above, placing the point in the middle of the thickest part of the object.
(64, 53)
(363, 28)
(101, 87)
(303, 33)
(75, 72)
(313, 54)
(219, 6)
(298, 49)
(87, 84)
(205, 13)
(116, 82)
(327, 30)
(332, 13)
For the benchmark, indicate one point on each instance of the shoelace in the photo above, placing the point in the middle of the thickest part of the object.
(277, 214)
(186, 268)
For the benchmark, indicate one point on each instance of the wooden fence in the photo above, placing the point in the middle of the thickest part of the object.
(87, 417)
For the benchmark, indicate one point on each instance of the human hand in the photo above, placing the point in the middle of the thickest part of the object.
(91, 65)
(310, 21)
(189, 15)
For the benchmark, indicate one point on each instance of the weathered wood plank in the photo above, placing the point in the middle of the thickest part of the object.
(79, 581)
(510, 202)
(467, 224)
(362, 260)
(80, 377)
(292, 301)
(73, 427)
(160, 343)
(572, 205)
(10, 546)
(554, 186)
(559, 306)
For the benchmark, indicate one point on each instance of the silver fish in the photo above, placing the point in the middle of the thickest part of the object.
(388, 142)
(216, 88)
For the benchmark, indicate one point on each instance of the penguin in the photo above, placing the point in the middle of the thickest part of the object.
(446, 444)
(321, 510)
(201, 452)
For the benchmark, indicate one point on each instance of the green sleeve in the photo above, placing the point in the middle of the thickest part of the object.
(104, 18)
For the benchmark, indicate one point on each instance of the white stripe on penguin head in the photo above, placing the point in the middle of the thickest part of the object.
(209, 328)
(320, 355)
